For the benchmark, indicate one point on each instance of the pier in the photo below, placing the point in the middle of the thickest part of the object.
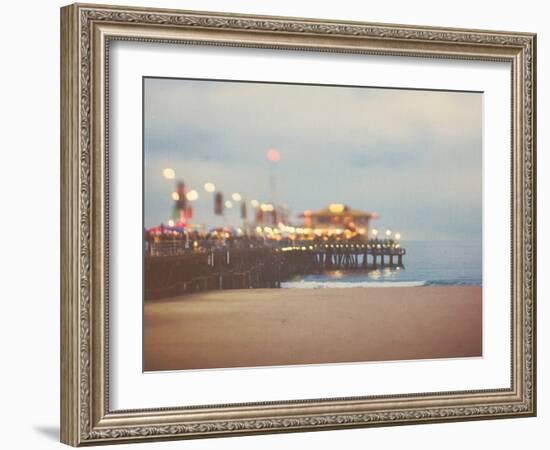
(172, 269)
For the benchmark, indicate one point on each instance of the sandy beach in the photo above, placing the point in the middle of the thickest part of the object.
(272, 327)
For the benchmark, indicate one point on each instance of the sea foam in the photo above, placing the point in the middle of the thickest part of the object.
(348, 284)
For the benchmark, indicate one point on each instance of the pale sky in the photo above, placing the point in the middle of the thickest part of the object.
(412, 156)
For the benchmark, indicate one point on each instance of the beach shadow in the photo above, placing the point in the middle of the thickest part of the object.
(50, 431)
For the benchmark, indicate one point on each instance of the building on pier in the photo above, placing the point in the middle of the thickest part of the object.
(338, 216)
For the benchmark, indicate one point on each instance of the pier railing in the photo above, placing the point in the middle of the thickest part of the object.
(171, 247)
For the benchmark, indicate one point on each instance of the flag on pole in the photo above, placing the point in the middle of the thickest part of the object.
(181, 201)
(180, 206)
(259, 216)
(218, 204)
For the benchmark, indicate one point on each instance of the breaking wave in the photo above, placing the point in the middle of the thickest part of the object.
(349, 284)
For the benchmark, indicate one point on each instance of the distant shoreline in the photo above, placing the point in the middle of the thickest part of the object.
(278, 327)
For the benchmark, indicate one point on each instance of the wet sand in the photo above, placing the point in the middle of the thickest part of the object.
(272, 327)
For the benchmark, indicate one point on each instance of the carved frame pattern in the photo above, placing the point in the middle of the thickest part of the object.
(86, 418)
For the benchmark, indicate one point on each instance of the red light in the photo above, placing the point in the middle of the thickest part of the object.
(273, 155)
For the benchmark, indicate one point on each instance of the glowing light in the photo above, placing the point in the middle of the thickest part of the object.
(170, 223)
(255, 203)
(209, 187)
(336, 208)
(228, 204)
(192, 195)
(259, 230)
(175, 196)
(397, 236)
(267, 207)
(168, 173)
(236, 197)
(375, 232)
(388, 233)
(273, 155)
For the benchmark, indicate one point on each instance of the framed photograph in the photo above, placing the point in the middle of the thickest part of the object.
(274, 224)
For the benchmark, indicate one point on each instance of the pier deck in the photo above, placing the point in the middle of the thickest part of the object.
(172, 271)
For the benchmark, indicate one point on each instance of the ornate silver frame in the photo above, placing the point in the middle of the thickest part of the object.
(86, 31)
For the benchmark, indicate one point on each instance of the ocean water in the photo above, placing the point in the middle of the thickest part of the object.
(425, 263)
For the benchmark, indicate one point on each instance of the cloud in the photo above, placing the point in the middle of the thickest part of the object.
(341, 113)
